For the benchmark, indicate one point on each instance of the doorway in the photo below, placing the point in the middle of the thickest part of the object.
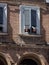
(28, 62)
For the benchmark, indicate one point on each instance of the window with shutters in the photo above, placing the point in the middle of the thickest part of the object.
(3, 17)
(29, 20)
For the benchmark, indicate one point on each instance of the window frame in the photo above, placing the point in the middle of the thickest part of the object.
(4, 25)
(37, 18)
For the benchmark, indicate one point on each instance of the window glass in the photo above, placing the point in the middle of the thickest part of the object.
(33, 21)
(1, 15)
(1, 29)
(33, 18)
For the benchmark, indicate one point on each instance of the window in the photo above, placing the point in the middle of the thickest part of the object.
(29, 19)
(47, 1)
(3, 17)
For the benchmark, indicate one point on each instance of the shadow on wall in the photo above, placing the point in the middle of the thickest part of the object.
(44, 11)
(43, 31)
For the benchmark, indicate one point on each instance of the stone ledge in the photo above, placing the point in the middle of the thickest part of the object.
(23, 46)
(30, 35)
(3, 34)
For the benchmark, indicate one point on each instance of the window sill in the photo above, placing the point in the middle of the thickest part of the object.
(3, 33)
(29, 35)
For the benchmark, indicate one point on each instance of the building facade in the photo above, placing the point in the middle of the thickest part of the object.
(24, 32)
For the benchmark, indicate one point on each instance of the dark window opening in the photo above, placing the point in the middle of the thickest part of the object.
(1, 29)
(1, 15)
(28, 62)
(31, 29)
(33, 21)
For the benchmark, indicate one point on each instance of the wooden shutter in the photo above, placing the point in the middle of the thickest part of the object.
(25, 18)
(38, 21)
(5, 18)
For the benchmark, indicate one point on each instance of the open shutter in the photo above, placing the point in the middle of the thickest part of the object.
(29, 17)
(38, 21)
(21, 20)
(5, 18)
(27, 20)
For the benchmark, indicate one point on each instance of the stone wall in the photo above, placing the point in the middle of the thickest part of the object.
(13, 24)
(13, 44)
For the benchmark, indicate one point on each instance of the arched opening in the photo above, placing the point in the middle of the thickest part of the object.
(28, 62)
(4, 60)
(31, 59)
